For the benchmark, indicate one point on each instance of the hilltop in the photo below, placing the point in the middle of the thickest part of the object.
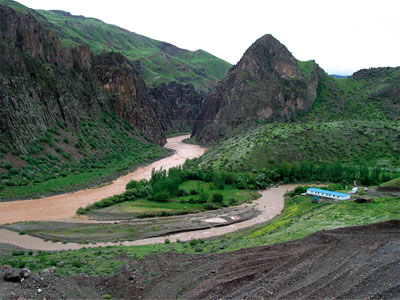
(162, 62)
(271, 108)
(267, 84)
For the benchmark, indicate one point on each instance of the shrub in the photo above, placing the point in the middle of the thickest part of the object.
(193, 192)
(8, 166)
(232, 202)
(18, 253)
(13, 171)
(182, 192)
(203, 197)
(161, 197)
(76, 263)
(217, 197)
(3, 149)
(167, 241)
(210, 206)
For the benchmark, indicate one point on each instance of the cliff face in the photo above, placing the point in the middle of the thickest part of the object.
(176, 106)
(267, 84)
(42, 85)
(127, 93)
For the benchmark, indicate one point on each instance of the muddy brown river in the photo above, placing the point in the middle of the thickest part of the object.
(63, 207)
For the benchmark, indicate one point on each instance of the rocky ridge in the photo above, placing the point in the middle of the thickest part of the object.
(267, 84)
(176, 106)
(43, 84)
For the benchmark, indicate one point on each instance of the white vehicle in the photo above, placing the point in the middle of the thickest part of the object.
(354, 190)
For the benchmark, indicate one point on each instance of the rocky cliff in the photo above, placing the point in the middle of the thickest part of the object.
(267, 84)
(43, 84)
(176, 106)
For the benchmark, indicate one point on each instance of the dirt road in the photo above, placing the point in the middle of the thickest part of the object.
(63, 207)
(270, 204)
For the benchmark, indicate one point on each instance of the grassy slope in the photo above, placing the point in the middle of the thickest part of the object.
(162, 62)
(62, 161)
(364, 142)
(351, 121)
(392, 184)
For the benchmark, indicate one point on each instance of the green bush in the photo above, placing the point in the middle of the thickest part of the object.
(13, 171)
(217, 197)
(182, 192)
(3, 149)
(161, 197)
(210, 206)
(203, 197)
(76, 263)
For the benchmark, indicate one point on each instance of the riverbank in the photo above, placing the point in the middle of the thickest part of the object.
(270, 204)
(63, 207)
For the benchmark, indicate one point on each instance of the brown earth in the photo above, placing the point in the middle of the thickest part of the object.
(349, 263)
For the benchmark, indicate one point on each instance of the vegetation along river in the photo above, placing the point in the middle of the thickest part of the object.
(63, 207)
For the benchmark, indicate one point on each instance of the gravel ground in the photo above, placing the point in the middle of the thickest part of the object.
(349, 263)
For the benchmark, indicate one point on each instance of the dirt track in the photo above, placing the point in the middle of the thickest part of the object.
(63, 207)
(348, 263)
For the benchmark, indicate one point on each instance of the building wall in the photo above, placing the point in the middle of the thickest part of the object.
(327, 195)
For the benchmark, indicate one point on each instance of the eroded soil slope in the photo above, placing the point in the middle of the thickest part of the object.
(350, 263)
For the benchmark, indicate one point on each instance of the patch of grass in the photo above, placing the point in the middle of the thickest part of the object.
(392, 184)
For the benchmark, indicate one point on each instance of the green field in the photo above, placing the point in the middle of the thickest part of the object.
(197, 197)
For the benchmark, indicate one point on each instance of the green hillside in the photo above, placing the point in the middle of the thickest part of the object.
(353, 120)
(359, 142)
(162, 62)
(372, 95)
(63, 161)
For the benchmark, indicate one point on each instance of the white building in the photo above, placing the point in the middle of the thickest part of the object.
(327, 194)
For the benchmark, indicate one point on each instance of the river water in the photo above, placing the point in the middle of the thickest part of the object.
(63, 207)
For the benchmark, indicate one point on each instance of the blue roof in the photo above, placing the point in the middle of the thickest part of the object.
(327, 192)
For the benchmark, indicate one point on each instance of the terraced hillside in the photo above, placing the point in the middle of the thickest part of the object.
(162, 62)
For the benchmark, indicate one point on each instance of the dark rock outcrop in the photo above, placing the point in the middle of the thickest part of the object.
(267, 84)
(43, 84)
(176, 106)
(16, 275)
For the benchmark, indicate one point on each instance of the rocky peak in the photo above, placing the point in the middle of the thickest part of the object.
(267, 58)
(267, 84)
(374, 73)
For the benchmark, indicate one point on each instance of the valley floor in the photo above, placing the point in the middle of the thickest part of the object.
(64, 206)
(347, 263)
(268, 206)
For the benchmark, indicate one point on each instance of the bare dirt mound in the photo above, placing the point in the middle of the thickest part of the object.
(348, 263)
